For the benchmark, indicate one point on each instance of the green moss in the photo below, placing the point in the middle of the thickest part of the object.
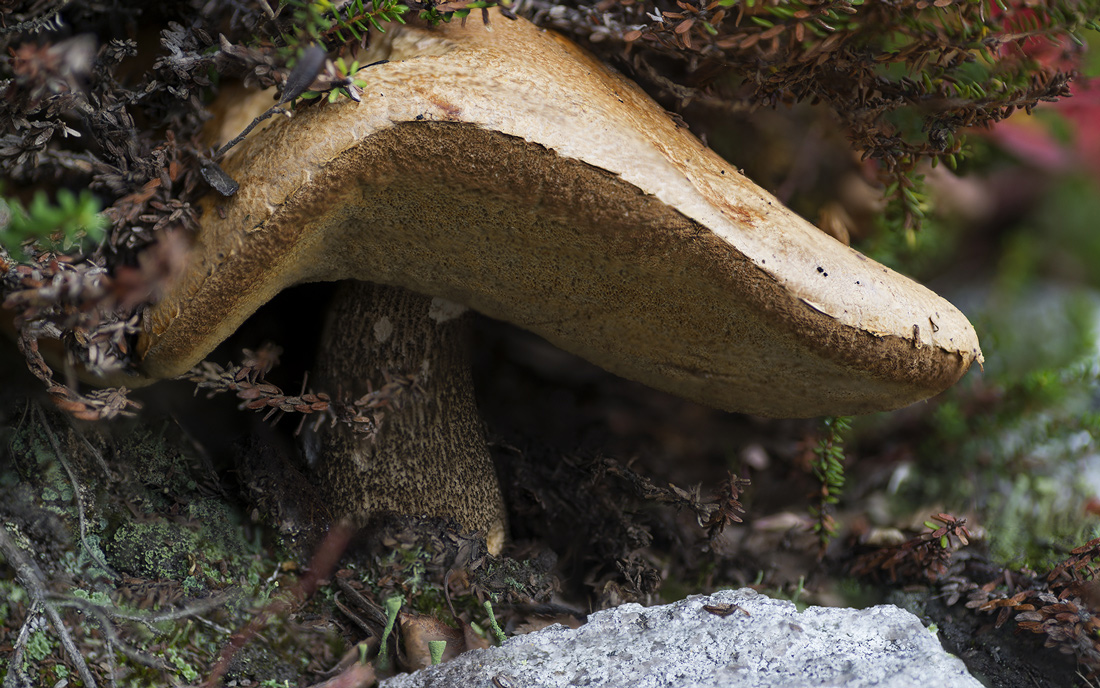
(184, 536)
(202, 554)
(193, 586)
(153, 550)
(38, 465)
(156, 462)
(255, 662)
(221, 531)
(1037, 519)
(95, 596)
(185, 670)
(86, 559)
(39, 646)
(62, 224)
(1012, 442)
(172, 537)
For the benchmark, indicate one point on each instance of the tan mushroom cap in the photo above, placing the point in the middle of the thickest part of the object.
(507, 170)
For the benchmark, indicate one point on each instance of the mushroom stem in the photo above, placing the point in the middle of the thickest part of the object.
(429, 454)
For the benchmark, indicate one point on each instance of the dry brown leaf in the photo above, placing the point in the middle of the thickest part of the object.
(417, 631)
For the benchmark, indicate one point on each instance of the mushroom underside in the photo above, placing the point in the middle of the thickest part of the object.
(629, 284)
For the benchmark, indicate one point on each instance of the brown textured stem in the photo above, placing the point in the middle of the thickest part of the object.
(429, 456)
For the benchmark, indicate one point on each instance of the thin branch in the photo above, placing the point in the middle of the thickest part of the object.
(200, 607)
(115, 642)
(273, 110)
(31, 579)
(324, 562)
(38, 23)
(96, 454)
(15, 678)
(93, 552)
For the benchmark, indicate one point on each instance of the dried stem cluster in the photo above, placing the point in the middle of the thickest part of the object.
(1063, 605)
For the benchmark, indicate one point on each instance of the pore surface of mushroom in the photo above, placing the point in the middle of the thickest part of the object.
(507, 170)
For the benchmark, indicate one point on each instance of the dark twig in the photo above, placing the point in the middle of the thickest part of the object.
(360, 602)
(193, 610)
(15, 678)
(115, 642)
(93, 552)
(96, 454)
(273, 110)
(324, 562)
(45, 21)
(31, 579)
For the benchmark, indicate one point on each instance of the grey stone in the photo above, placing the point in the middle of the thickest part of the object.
(763, 642)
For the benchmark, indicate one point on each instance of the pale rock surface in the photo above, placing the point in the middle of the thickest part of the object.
(682, 645)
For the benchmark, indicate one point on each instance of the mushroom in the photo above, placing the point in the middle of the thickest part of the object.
(506, 170)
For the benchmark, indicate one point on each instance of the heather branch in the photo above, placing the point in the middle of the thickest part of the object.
(1063, 606)
(364, 414)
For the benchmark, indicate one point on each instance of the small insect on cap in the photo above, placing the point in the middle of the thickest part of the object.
(505, 169)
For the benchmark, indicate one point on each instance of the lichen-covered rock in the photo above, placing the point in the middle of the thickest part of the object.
(732, 638)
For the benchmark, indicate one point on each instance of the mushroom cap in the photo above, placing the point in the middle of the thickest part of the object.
(506, 169)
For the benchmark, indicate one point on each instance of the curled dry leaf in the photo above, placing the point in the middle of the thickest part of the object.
(417, 630)
(356, 675)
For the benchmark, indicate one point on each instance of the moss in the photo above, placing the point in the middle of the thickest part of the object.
(173, 536)
(153, 550)
(201, 553)
(221, 531)
(255, 662)
(185, 670)
(88, 559)
(38, 465)
(30, 447)
(156, 462)
(95, 596)
(1016, 445)
(1036, 520)
(39, 645)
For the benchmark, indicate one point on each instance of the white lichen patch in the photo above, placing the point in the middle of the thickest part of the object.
(442, 310)
(383, 329)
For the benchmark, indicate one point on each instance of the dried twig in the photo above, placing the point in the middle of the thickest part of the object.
(15, 678)
(921, 558)
(321, 567)
(1064, 605)
(364, 415)
(31, 579)
(728, 507)
(114, 642)
(93, 552)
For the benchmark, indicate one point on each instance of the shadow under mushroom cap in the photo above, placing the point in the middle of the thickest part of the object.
(509, 171)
